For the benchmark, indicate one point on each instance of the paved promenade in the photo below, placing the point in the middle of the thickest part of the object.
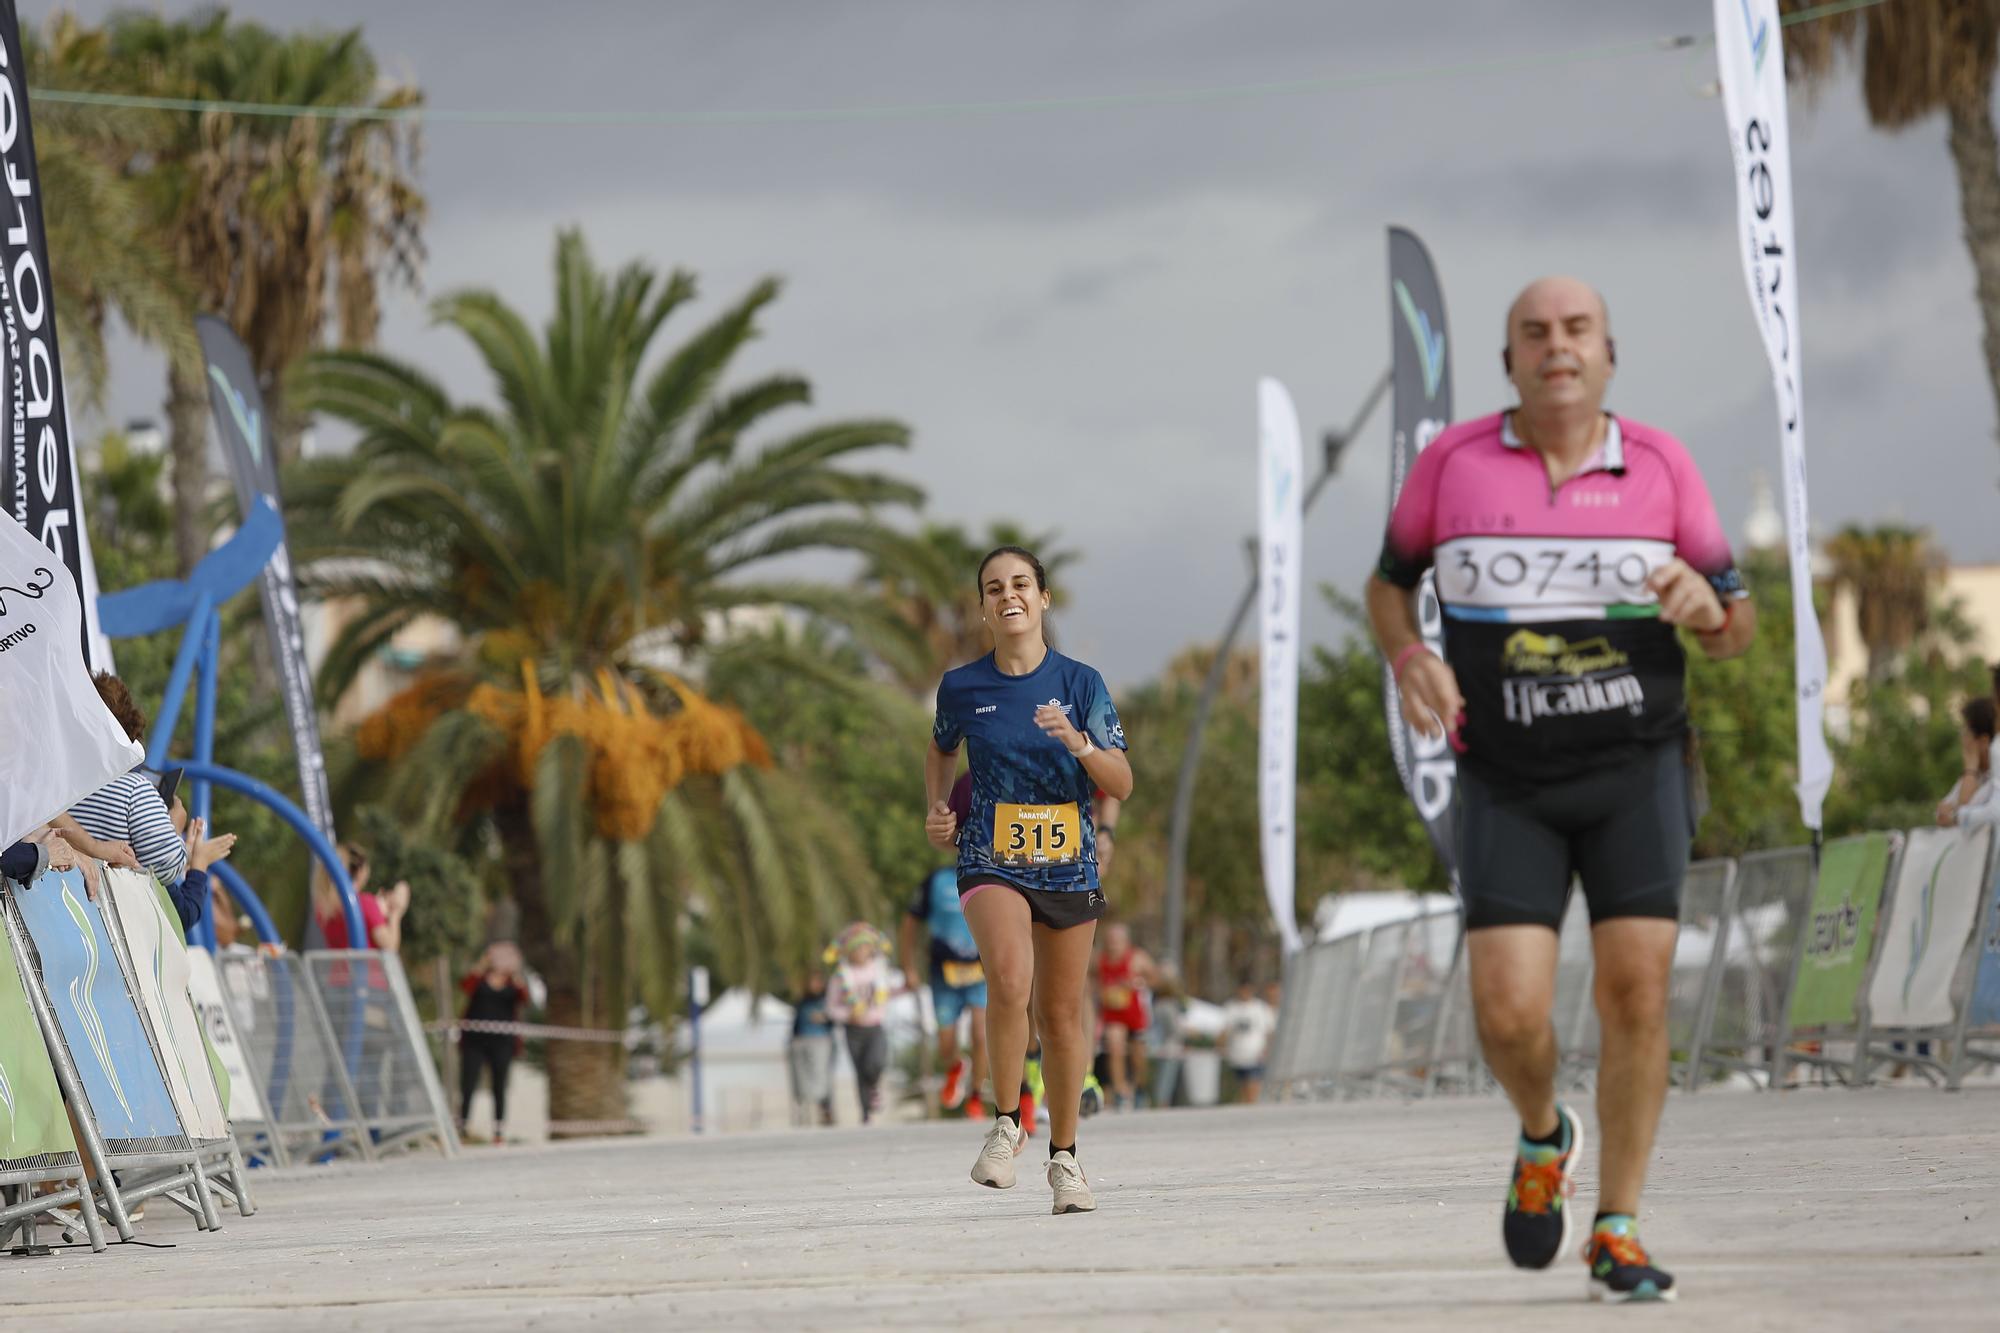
(1810, 1210)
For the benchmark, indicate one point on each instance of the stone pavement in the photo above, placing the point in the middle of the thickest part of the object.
(1808, 1210)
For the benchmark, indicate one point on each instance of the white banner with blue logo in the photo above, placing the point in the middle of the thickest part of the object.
(1280, 529)
(1750, 54)
(1940, 883)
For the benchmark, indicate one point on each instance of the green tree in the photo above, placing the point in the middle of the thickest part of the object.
(104, 253)
(1744, 715)
(585, 539)
(929, 578)
(280, 225)
(1919, 58)
(1893, 572)
(1901, 752)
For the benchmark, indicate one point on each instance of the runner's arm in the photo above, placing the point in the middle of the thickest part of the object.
(1428, 686)
(940, 771)
(1111, 770)
(906, 939)
(1737, 632)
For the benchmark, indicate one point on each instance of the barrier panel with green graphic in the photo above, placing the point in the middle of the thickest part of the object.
(1839, 932)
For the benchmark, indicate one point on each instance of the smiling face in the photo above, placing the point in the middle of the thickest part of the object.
(1559, 345)
(1011, 599)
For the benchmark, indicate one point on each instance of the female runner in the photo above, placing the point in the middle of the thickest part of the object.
(1044, 737)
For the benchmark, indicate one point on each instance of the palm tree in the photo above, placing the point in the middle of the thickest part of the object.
(589, 539)
(1893, 571)
(1919, 57)
(103, 251)
(281, 225)
(928, 577)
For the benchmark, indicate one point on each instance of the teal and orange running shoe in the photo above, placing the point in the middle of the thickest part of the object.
(1620, 1268)
(1536, 1223)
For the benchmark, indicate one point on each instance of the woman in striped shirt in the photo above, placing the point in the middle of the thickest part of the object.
(128, 809)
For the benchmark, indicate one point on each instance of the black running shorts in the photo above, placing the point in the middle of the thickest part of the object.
(1058, 909)
(1624, 831)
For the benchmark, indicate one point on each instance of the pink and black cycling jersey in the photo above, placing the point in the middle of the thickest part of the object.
(1557, 643)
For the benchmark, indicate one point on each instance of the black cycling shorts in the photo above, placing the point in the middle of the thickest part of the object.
(1624, 831)
(1058, 909)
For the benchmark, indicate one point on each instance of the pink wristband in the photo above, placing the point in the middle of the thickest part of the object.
(1403, 658)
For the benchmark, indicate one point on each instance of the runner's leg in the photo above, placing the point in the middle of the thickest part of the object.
(1004, 930)
(978, 1013)
(1116, 1039)
(1061, 971)
(503, 1061)
(1513, 974)
(1635, 957)
(471, 1059)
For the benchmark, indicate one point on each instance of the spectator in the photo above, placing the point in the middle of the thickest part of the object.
(495, 992)
(126, 823)
(1249, 1023)
(810, 1053)
(858, 999)
(44, 849)
(1973, 799)
(1164, 1039)
(381, 913)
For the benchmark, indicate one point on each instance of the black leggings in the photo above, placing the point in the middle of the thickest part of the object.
(868, 1048)
(484, 1050)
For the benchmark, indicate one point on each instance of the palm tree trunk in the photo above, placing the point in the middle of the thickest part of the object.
(586, 1078)
(1976, 153)
(187, 425)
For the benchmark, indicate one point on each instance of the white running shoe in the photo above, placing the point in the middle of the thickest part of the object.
(995, 1166)
(1071, 1189)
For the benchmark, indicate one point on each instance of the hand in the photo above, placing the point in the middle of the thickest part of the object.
(1055, 724)
(396, 902)
(1686, 598)
(1432, 704)
(111, 853)
(912, 980)
(1106, 848)
(62, 856)
(204, 851)
(178, 814)
(941, 826)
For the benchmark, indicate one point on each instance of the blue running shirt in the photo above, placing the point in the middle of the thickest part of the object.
(1030, 819)
(936, 905)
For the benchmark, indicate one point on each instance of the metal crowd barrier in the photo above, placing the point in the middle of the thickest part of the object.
(335, 1046)
(1874, 960)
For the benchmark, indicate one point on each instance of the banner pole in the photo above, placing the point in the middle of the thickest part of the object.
(1174, 926)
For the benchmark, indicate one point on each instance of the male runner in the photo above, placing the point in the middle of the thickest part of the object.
(958, 986)
(1571, 548)
(1124, 977)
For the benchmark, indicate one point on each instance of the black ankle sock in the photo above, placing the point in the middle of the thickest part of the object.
(1553, 1139)
(1070, 1149)
(1014, 1115)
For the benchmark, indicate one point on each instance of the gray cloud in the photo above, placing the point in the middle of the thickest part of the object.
(1072, 307)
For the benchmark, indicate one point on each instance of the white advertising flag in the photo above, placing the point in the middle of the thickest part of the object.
(1749, 49)
(62, 742)
(1280, 526)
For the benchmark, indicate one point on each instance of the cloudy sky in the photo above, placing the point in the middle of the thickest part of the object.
(1072, 306)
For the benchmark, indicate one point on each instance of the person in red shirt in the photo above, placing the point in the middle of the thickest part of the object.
(381, 913)
(1125, 975)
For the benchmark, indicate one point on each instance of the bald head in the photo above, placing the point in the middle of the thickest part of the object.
(1559, 351)
(1560, 292)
